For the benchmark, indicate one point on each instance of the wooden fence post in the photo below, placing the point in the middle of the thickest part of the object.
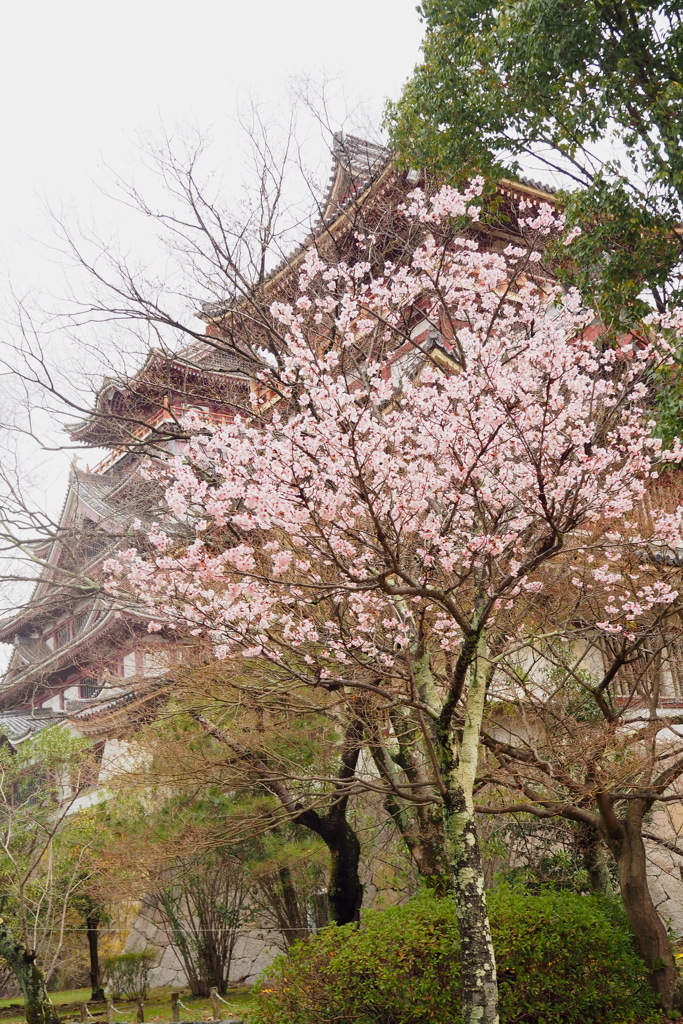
(110, 1012)
(215, 1008)
(175, 1009)
(141, 1011)
(84, 1012)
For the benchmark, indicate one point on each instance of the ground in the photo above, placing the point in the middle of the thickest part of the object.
(157, 1006)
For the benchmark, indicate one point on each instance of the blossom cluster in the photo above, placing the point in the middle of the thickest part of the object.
(372, 499)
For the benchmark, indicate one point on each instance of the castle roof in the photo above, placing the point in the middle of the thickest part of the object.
(129, 409)
(107, 504)
(18, 726)
(200, 372)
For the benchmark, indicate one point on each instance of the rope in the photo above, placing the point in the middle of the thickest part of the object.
(231, 1005)
(181, 1003)
(121, 1012)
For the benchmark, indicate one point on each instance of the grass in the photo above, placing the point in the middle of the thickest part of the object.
(157, 1006)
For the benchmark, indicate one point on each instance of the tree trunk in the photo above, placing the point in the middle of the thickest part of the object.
(92, 923)
(477, 959)
(297, 927)
(459, 757)
(344, 891)
(590, 848)
(38, 1008)
(628, 848)
(422, 836)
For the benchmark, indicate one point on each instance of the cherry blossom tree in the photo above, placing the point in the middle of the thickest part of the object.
(445, 431)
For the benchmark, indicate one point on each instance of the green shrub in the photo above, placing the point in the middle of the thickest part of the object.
(562, 959)
(127, 975)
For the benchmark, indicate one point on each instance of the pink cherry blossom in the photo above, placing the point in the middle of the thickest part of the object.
(373, 495)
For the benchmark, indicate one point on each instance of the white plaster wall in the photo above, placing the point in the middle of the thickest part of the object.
(90, 799)
(116, 757)
(156, 661)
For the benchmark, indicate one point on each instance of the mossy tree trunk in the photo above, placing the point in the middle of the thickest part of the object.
(477, 958)
(458, 745)
(625, 840)
(38, 1008)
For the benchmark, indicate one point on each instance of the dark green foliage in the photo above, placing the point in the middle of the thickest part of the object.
(627, 253)
(562, 959)
(669, 391)
(545, 82)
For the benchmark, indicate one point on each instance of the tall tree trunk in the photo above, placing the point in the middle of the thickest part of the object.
(38, 1008)
(459, 758)
(625, 839)
(590, 848)
(92, 923)
(344, 890)
(294, 922)
(477, 958)
(653, 941)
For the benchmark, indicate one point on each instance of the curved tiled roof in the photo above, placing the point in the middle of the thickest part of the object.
(357, 163)
(18, 726)
(18, 676)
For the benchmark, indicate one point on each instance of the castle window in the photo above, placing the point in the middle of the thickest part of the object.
(92, 546)
(90, 687)
(80, 621)
(63, 635)
(69, 630)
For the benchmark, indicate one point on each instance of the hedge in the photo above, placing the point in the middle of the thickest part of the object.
(562, 959)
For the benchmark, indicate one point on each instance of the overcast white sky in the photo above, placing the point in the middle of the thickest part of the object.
(81, 80)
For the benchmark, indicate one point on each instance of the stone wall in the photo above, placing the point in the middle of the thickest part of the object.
(255, 949)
